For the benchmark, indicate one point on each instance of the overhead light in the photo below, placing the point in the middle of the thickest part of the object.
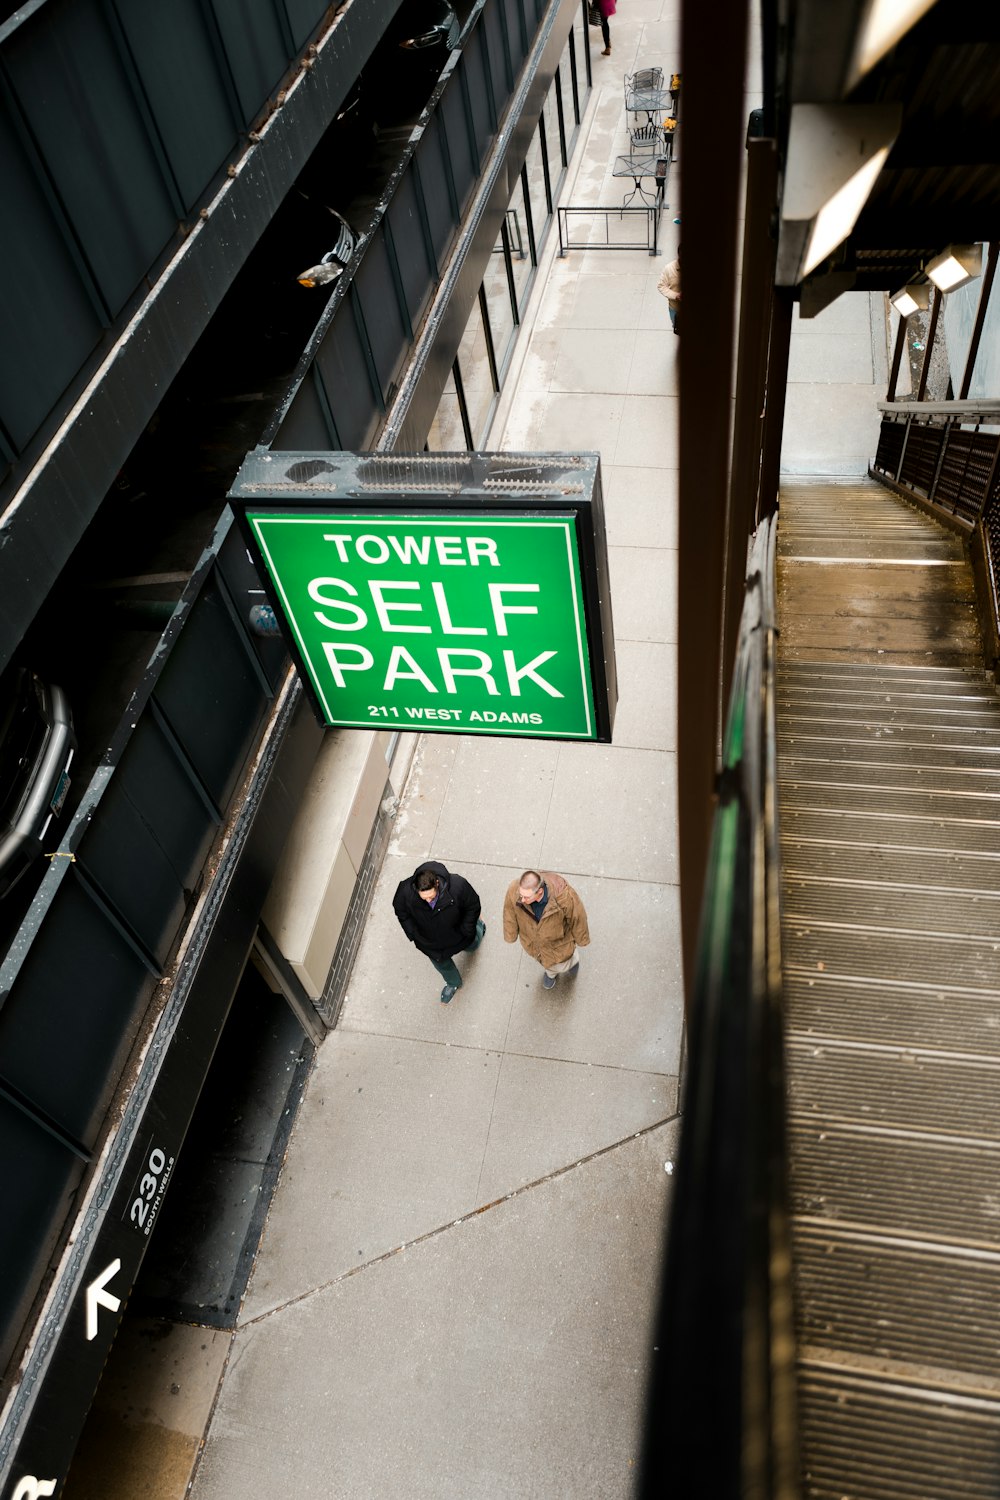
(913, 298)
(839, 214)
(956, 266)
(882, 25)
(835, 153)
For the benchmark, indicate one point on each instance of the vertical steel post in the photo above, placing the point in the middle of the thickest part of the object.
(713, 131)
(897, 359)
(756, 290)
(929, 350)
(977, 331)
(774, 402)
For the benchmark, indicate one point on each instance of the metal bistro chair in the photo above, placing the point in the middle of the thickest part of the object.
(647, 136)
(642, 81)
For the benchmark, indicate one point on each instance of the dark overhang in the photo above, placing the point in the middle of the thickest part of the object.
(933, 100)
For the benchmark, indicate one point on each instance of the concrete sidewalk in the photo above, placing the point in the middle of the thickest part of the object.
(455, 1292)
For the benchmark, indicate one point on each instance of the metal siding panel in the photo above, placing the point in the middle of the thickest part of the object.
(475, 68)
(211, 696)
(454, 137)
(344, 370)
(45, 313)
(304, 17)
(430, 160)
(73, 1014)
(255, 48)
(515, 33)
(493, 22)
(40, 1177)
(149, 839)
(304, 425)
(73, 91)
(178, 70)
(376, 291)
(416, 273)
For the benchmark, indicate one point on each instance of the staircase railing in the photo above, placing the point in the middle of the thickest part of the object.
(946, 455)
(722, 1418)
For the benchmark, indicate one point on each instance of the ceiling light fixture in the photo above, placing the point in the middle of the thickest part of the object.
(956, 266)
(835, 154)
(884, 22)
(910, 299)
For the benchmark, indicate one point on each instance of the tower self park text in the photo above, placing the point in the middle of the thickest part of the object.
(472, 623)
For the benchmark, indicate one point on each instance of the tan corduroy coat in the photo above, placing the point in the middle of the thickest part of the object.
(563, 925)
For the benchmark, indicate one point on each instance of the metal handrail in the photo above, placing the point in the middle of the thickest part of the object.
(650, 212)
(722, 1419)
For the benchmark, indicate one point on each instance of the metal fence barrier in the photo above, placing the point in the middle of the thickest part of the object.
(642, 234)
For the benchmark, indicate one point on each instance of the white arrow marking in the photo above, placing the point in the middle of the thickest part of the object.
(98, 1297)
(31, 1488)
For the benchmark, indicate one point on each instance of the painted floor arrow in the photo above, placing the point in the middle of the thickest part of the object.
(98, 1297)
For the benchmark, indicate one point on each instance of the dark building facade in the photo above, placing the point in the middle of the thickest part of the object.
(168, 173)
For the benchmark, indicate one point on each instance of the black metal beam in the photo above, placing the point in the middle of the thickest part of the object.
(60, 493)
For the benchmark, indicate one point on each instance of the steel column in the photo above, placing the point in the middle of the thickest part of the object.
(977, 331)
(774, 402)
(897, 359)
(757, 289)
(929, 350)
(714, 134)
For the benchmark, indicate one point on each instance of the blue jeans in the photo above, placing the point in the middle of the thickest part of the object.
(448, 969)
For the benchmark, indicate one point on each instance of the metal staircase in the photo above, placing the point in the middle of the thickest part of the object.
(889, 769)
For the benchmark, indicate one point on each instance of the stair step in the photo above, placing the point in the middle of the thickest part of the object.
(894, 1086)
(877, 954)
(911, 1303)
(861, 1440)
(952, 699)
(884, 1180)
(823, 666)
(897, 732)
(802, 769)
(946, 714)
(975, 811)
(830, 1006)
(868, 748)
(870, 902)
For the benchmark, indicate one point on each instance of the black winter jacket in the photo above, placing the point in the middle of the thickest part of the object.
(443, 930)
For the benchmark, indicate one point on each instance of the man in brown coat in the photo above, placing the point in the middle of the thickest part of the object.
(545, 912)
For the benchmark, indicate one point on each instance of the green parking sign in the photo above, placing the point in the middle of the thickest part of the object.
(469, 619)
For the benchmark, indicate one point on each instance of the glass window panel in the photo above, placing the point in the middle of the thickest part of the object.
(550, 114)
(477, 379)
(447, 434)
(535, 171)
(520, 244)
(497, 289)
(571, 112)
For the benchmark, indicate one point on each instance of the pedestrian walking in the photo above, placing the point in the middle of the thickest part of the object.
(606, 8)
(544, 911)
(439, 912)
(669, 285)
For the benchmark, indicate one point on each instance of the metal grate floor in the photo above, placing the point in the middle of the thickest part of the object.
(889, 791)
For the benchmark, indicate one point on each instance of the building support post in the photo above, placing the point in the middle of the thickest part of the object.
(714, 130)
(756, 292)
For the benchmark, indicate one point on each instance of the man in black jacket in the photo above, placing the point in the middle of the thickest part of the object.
(439, 912)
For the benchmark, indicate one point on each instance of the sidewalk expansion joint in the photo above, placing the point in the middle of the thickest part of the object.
(466, 1218)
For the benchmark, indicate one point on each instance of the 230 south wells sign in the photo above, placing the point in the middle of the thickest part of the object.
(470, 618)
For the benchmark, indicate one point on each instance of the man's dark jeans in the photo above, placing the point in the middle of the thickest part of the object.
(448, 969)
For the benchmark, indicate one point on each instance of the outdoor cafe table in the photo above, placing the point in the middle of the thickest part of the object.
(637, 165)
(647, 101)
